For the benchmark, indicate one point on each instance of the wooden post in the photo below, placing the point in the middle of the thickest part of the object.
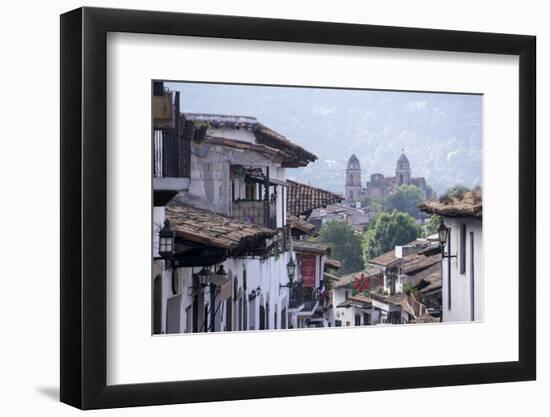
(266, 198)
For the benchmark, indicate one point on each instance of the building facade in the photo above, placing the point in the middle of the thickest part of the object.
(462, 272)
(380, 186)
(220, 188)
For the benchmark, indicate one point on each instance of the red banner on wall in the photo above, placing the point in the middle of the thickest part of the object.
(308, 271)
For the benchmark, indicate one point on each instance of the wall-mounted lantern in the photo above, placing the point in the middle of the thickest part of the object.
(221, 272)
(203, 276)
(443, 233)
(166, 241)
(291, 269)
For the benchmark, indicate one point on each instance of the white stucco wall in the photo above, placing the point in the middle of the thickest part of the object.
(235, 134)
(265, 274)
(345, 315)
(460, 308)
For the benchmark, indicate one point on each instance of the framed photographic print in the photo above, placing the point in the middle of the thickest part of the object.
(256, 208)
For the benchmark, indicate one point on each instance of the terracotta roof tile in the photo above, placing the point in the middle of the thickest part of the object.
(470, 204)
(307, 246)
(302, 198)
(332, 263)
(213, 229)
(300, 224)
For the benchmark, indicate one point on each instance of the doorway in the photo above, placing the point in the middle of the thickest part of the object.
(262, 317)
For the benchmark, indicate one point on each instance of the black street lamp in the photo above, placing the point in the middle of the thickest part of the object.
(443, 232)
(166, 241)
(203, 276)
(290, 270)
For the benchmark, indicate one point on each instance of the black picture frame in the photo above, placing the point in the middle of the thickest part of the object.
(84, 207)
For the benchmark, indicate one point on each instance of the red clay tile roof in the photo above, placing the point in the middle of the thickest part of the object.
(329, 276)
(469, 204)
(302, 198)
(418, 262)
(385, 260)
(332, 263)
(295, 155)
(245, 146)
(358, 300)
(300, 224)
(346, 281)
(306, 246)
(213, 229)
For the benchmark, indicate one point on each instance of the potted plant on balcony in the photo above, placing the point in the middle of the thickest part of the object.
(200, 129)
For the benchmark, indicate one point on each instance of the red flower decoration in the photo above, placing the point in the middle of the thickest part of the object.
(361, 283)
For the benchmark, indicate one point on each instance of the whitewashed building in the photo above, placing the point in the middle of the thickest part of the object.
(462, 276)
(220, 187)
(349, 308)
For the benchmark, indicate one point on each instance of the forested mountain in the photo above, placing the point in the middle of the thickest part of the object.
(441, 133)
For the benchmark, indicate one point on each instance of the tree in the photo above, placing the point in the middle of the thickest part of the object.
(405, 198)
(456, 191)
(345, 245)
(397, 228)
(366, 201)
(433, 225)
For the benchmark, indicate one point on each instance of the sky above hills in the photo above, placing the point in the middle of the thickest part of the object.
(441, 133)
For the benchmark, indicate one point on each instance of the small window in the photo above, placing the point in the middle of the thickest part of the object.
(462, 249)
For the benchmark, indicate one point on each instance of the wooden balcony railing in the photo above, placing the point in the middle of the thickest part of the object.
(254, 212)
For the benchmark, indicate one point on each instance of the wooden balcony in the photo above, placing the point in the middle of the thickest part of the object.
(256, 212)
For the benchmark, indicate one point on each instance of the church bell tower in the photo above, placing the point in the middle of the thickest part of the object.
(353, 180)
(403, 170)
